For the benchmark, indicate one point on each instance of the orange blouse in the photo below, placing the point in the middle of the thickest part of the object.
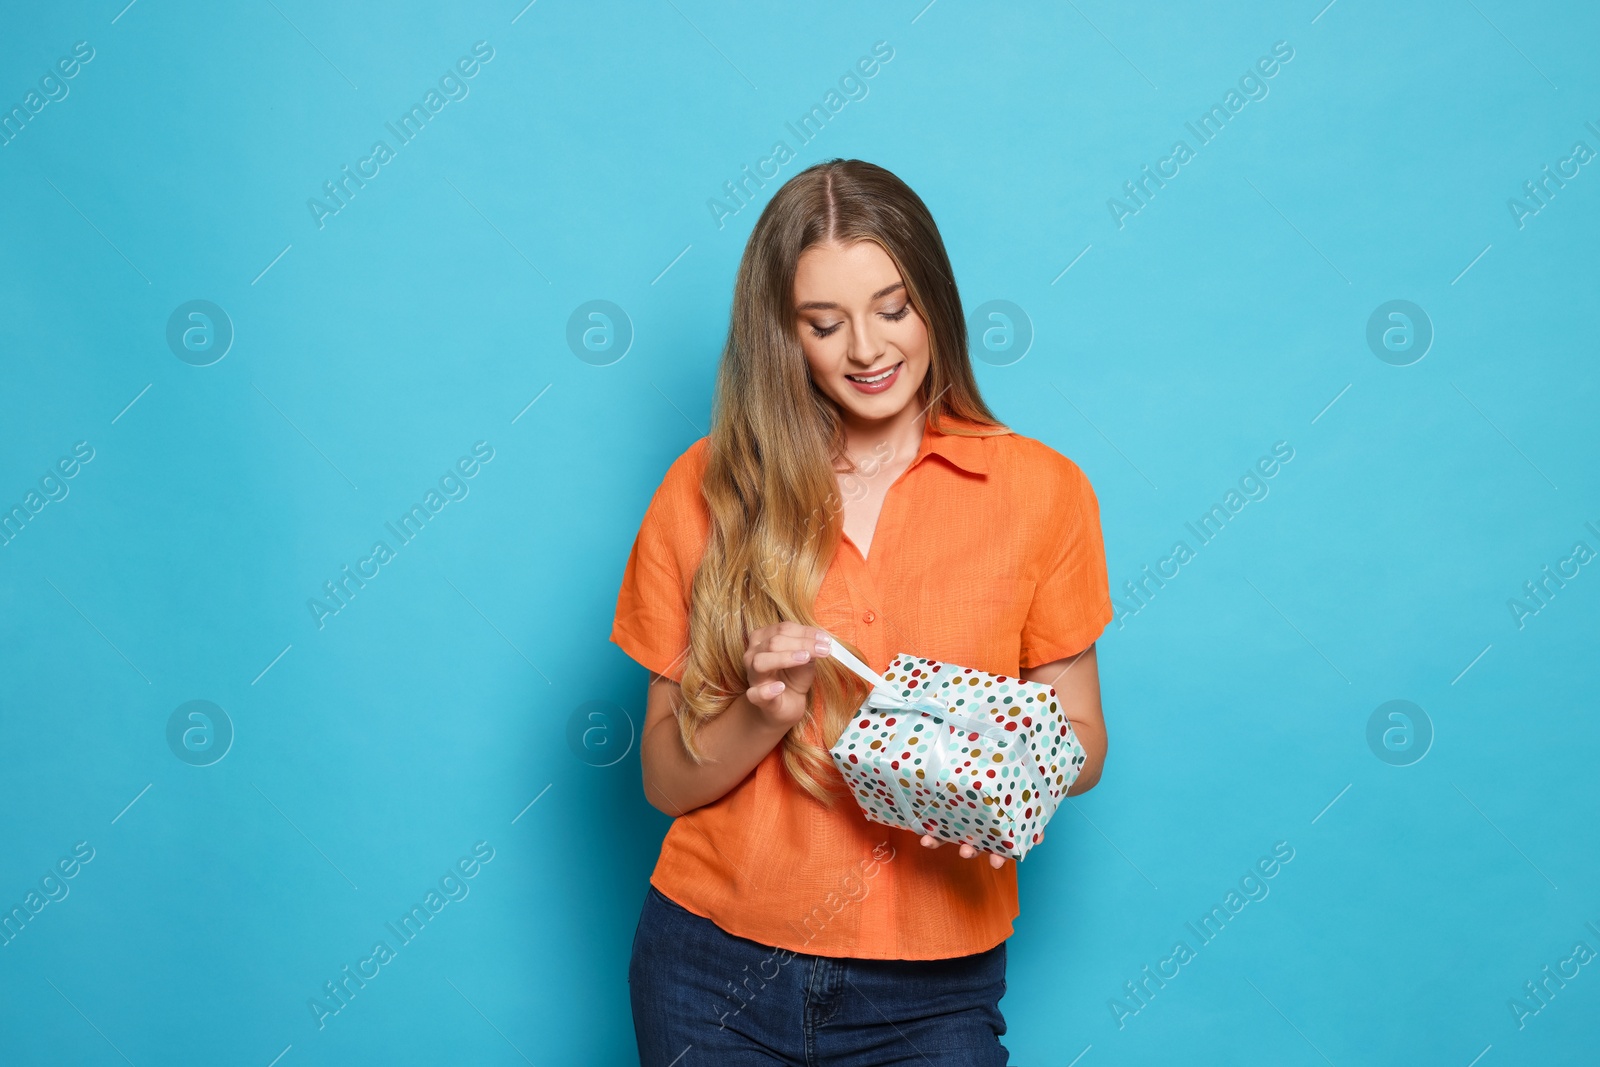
(987, 554)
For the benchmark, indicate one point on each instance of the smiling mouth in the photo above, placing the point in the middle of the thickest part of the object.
(870, 378)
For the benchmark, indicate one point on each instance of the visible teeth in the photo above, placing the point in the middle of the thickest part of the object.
(874, 378)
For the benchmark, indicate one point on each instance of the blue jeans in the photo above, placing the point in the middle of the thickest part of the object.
(702, 997)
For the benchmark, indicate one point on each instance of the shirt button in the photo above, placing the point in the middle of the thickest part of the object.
(868, 617)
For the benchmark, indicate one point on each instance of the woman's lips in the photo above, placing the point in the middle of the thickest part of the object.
(880, 385)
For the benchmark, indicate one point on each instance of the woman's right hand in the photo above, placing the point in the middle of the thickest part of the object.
(779, 665)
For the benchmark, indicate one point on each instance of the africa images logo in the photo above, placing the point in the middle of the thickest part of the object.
(1252, 85)
(453, 486)
(452, 86)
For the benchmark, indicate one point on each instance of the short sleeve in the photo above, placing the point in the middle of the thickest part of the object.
(652, 618)
(1071, 600)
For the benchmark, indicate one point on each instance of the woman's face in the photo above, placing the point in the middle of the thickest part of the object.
(855, 320)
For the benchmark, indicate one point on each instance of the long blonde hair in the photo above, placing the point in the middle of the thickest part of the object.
(770, 481)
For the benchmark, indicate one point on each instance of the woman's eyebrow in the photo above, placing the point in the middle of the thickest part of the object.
(825, 305)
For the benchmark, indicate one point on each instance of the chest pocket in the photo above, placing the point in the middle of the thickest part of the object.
(973, 622)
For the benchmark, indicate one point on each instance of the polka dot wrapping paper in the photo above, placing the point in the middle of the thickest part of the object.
(959, 754)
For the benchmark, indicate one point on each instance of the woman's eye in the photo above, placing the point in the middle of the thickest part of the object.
(892, 316)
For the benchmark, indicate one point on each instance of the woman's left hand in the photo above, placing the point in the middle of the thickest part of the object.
(967, 851)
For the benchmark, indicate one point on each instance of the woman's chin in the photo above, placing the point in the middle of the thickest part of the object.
(878, 406)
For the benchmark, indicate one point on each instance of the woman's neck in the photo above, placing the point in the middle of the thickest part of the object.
(894, 440)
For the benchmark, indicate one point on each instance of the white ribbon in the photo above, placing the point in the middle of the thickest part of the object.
(884, 697)
(883, 694)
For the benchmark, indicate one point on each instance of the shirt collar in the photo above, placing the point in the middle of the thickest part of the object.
(968, 453)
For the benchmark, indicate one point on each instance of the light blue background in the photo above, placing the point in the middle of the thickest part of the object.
(1228, 314)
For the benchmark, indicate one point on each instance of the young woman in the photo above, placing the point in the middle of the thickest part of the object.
(853, 488)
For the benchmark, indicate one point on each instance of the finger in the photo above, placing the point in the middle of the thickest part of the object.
(797, 680)
(996, 861)
(763, 663)
(929, 841)
(765, 694)
(967, 851)
(813, 640)
(776, 642)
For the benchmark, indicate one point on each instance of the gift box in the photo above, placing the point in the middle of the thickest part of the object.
(954, 752)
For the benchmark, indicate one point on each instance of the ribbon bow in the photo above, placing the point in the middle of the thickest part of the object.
(889, 700)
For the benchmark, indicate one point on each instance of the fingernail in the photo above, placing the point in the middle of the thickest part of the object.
(801, 654)
(774, 689)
